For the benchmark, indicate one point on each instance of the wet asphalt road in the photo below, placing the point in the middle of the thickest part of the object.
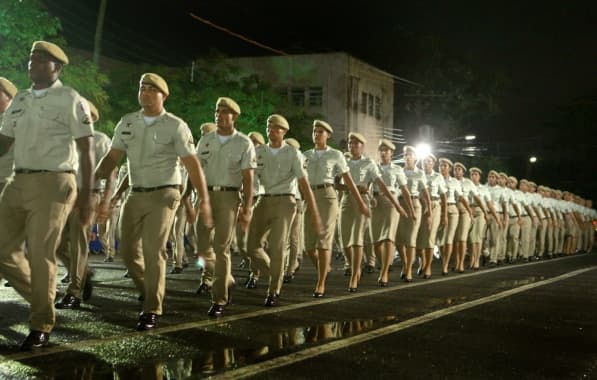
(523, 321)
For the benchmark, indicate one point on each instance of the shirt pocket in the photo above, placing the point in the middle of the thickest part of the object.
(162, 141)
(53, 123)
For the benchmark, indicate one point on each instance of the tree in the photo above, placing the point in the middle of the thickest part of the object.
(22, 23)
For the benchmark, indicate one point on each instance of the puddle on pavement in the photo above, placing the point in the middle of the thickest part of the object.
(207, 363)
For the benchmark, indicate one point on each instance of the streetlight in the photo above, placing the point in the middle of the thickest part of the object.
(532, 159)
(470, 137)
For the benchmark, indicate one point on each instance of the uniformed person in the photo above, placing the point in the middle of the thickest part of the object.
(482, 206)
(364, 172)
(408, 228)
(447, 231)
(384, 216)
(427, 236)
(296, 243)
(74, 247)
(7, 91)
(47, 124)
(185, 214)
(465, 216)
(528, 228)
(228, 157)
(516, 220)
(497, 226)
(323, 164)
(153, 141)
(279, 166)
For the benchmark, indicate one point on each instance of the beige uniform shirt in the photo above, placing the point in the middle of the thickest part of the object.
(278, 171)
(497, 194)
(45, 128)
(223, 163)
(453, 190)
(7, 162)
(435, 184)
(363, 171)
(153, 150)
(393, 176)
(416, 181)
(324, 166)
(468, 190)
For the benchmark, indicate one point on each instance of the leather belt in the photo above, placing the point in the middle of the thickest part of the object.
(376, 193)
(360, 192)
(435, 198)
(32, 171)
(223, 188)
(322, 186)
(155, 188)
(451, 203)
(278, 195)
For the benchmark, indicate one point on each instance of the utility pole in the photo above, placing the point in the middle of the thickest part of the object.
(97, 46)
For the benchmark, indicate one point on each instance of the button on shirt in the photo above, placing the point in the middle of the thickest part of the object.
(324, 165)
(435, 184)
(153, 150)
(45, 128)
(278, 171)
(223, 162)
(393, 176)
(415, 181)
(363, 171)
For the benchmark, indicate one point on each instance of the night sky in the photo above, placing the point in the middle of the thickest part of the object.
(548, 50)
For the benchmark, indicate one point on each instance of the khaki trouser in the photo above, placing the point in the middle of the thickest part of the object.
(74, 250)
(272, 216)
(34, 208)
(550, 238)
(144, 227)
(215, 243)
(525, 237)
(178, 232)
(110, 231)
(533, 237)
(513, 238)
(495, 239)
(295, 239)
(503, 236)
(541, 237)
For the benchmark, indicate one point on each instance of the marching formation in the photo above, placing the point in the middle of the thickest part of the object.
(273, 200)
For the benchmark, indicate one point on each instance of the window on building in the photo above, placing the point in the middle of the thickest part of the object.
(377, 107)
(363, 102)
(370, 104)
(315, 96)
(297, 96)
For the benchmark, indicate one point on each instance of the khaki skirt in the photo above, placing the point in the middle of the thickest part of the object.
(384, 220)
(428, 234)
(407, 227)
(352, 222)
(327, 203)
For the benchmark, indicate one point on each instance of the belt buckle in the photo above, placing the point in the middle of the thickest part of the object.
(217, 188)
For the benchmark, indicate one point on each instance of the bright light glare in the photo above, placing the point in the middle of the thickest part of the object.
(533, 159)
(470, 137)
(423, 150)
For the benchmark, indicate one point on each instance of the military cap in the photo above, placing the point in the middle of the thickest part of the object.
(445, 160)
(257, 136)
(475, 169)
(502, 174)
(558, 192)
(357, 136)
(8, 87)
(432, 156)
(205, 128)
(531, 183)
(387, 143)
(156, 81)
(541, 188)
(323, 124)
(493, 172)
(347, 154)
(293, 143)
(460, 165)
(409, 148)
(52, 49)
(93, 111)
(513, 179)
(278, 120)
(229, 103)
(524, 182)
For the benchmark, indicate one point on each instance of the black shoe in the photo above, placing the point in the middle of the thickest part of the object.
(109, 260)
(347, 272)
(406, 279)
(369, 269)
(185, 265)
(492, 264)
(271, 300)
(444, 273)
(204, 289)
(147, 321)
(176, 270)
(460, 271)
(141, 298)
(426, 276)
(65, 279)
(35, 339)
(7, 284)
(88, 287)
(126, 274)
(420, 272)
(352, 290)
(317, 295)
(68, 302)
(216, 310)
(382, 284)
(288, 278)
(251, 283)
